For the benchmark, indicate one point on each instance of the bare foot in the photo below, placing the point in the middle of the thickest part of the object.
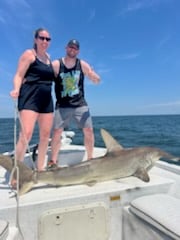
(14, 183)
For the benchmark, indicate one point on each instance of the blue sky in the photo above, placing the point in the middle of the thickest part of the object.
(134, 45)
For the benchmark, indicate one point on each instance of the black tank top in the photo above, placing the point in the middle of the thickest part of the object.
(39, 72)
(69, 86)
(35, 92)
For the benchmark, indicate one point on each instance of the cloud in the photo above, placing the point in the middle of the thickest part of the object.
(17, 3)
(12, 9)
(126, 56)
(164, 41)
(2, 19)
(136, 5)
(168, 104)
(92, 15)
(105, 70)
(160, 108)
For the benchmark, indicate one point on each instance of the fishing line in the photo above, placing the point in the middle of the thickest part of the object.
(14, 171)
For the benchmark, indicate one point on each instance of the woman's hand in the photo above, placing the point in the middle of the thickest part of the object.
(14, 94)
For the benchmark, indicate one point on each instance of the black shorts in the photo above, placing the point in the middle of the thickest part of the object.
(36, 97)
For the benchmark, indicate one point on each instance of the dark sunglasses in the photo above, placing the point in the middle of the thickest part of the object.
(44, 38)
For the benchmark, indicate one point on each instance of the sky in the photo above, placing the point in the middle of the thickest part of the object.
(134, 45)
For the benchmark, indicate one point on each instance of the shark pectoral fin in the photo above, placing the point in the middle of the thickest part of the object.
(25, 187)
(91, 183)
(142, 174)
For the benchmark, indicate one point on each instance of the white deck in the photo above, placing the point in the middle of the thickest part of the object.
(114, 194)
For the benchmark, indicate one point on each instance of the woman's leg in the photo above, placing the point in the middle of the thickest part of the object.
(45, 121)
(27, 120)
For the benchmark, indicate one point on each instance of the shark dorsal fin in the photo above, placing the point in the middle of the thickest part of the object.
(110, 142)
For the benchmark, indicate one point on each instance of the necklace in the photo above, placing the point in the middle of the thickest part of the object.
(43, 58)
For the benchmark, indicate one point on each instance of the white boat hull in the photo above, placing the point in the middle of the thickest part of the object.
(114, 197)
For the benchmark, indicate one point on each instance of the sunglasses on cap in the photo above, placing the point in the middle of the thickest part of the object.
(44, 38)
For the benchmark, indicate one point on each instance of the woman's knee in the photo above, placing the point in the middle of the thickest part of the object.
(25, 137)
(44, 134)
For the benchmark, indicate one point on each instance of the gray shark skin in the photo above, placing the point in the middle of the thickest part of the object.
(118, 162)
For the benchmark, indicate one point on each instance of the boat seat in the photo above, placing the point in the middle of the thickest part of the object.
(161, 211)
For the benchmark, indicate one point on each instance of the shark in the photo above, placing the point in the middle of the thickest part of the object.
(118, 162)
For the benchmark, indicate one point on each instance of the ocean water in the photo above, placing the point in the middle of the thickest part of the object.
(162, 131)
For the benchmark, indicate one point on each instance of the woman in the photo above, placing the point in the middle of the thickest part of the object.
(32, 87)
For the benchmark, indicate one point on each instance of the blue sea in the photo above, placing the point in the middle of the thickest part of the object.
(162, 131)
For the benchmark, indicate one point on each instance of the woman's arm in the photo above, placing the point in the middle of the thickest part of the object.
(24, 61)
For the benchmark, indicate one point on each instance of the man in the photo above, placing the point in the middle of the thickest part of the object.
(70, 100)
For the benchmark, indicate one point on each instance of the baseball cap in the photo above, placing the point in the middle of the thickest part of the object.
(73, 42)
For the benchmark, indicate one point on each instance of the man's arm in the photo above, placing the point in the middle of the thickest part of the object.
(89, 72)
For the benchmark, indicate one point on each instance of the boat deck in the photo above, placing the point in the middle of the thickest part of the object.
(114, 194)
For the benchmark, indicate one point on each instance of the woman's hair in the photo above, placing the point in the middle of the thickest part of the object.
(36, 34)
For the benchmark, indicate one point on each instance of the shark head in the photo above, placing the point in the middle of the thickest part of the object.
(138, 160)
(25, 175)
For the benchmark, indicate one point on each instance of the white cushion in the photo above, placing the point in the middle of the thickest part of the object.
(160, 210)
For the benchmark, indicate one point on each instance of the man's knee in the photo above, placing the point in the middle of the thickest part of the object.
(57, 133)
(88, 133)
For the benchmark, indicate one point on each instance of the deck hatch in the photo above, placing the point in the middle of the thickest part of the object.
(81, 222)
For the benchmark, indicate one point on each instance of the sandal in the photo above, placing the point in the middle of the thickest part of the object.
(51, 165)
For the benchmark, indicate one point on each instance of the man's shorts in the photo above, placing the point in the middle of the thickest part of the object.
(81, 116)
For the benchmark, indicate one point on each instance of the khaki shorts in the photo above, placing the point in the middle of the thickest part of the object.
(80, 115)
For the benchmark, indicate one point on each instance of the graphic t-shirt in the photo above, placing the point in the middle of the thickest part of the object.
(69, 86)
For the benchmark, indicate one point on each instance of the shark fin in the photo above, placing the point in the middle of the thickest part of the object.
(142, 174)
(25, 187)
(110, 143)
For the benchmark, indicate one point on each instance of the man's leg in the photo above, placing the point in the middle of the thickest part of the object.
(58, 127)
(56, 144)
(84, 121)
(89, 141)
